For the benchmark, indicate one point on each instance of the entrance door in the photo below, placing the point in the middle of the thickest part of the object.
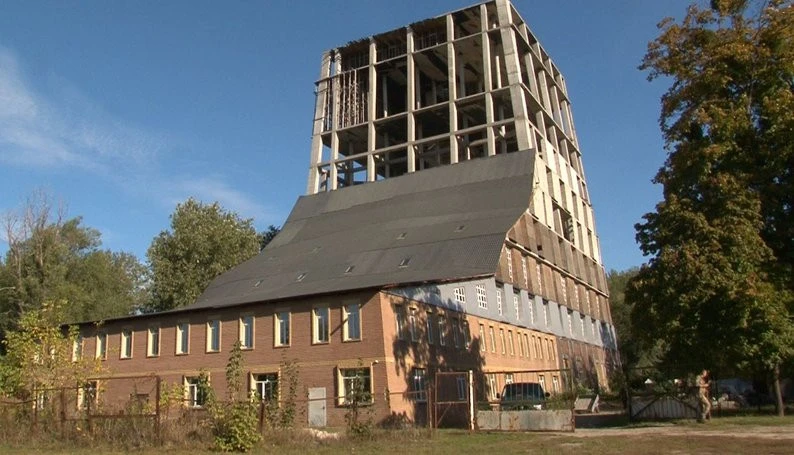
(317, 407)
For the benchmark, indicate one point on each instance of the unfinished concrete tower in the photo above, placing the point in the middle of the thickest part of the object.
(473, 84)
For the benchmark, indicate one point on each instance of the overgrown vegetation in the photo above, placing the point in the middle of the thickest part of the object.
(358, 417)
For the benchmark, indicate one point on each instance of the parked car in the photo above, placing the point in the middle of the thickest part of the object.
(522, 395)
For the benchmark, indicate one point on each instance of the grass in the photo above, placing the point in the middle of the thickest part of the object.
(725, 435)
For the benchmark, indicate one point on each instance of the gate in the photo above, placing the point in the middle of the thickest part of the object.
(453, 405)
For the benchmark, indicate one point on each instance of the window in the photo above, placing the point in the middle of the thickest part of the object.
(246, 332)
(564, 291)
(510, 343)
(195, 393)
(499, 301)
(463, 388)
(493, 338)
(87, 395)
(399, 314)
(546, 312)
(482, 338)
(542, 381)
(527, 346)
(182, 338)
(482, 297)
(442, 330)
(570, 322)
(531, 309)
(502, 339)
(77, 348)
(126, 344)
(281, 326)
(509, 256)
(524, 272)
(520, 345)
(460, 295)
(581, 323)
(321, 323)
(354, 384)
(351, 330)
(508, 378)
(102, 346)
(466, 335)
(550, 347)
(214, 335)
(555, 383)
(412, 325)
(540, 278)
(517, 306)
(153, 342)
(538, 349)
(429, 327)
(265, 386)
(419, 384)
(456, 332)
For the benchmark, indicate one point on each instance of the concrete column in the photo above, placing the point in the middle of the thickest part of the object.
(371, 110)
(488, 81)
(510, 50)
(320, 104)
(453, 93)
(411, 101)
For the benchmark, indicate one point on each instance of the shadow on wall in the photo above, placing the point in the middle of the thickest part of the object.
(432, 339)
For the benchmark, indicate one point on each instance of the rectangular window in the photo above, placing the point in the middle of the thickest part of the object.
(463, 388)
(456, 332)
(214, 335)
(542, 381)
(509, 256)
(520, 345)
(581, 323)
(126, 344)
(564, 291)
(517, 306)
(493, 338)
(429, 327)
(153, 342)
(87, 395)
(555, 384)
(321, 324)
(182, 338)
(499, 301)
(77, 348)
(546, 312)
(550, 347)
(102, 346)
(527, 346)
(399, 317)
(531, 309)
(281, 327)
(351, 330)
(570, 323)
(419, 384)
(482, 297)
(412, 325)
(195, 396)
(510, 343)
(540, 278)
(524, 272)
(265, 386)
(354, 384)
(538, 348)
(460, 295)
(246, 330)
(502, 340)
(466, 334)
(442, 330)
(482, 338)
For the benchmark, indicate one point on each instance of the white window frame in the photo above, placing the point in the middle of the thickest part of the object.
(182, 338)
(412, 324)
(282, 329)
(524, 271)
(510, 343)
(502, 340)
(153, 341)
(351, 323)
(213, 332)
(265, 389)
(192, 397)
(517, 305)
(321, 326)
(499, 301)
(77, 348)
(101, 346)
(418, 385)
(344, 380)
(399, 321)
(460, 294)
(493, 338)
(429, 327)
(442, 330)
(509, 256)
(482, 296)
(90, 390)
(483, 342)
(456, 332)
(246, 328)
(126, 343)
(540, 277)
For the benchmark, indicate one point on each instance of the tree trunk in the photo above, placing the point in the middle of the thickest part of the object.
(778, 392)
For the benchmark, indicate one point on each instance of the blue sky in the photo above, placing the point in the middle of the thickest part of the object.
(123, 109)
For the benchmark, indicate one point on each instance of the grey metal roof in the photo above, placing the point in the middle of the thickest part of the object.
(441, 224)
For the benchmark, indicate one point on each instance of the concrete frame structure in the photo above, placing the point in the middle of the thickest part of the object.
(446, 203)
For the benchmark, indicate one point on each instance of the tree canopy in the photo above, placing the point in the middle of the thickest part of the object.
(204, 241)
(54, 258)
(717, 290)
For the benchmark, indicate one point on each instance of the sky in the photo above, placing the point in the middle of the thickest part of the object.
(120, 110)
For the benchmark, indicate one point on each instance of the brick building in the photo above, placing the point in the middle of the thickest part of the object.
(446, 226)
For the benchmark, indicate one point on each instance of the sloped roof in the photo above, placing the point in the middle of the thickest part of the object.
(440, 224)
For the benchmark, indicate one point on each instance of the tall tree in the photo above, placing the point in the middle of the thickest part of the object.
(267, 236)
(204, 241)
(52, 258)
(634, 352)
(717, 291)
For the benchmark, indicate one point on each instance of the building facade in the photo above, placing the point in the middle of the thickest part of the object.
(447, 226)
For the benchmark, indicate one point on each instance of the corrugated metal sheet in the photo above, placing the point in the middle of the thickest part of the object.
(447, 223)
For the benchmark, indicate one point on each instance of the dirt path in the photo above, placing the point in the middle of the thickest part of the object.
(742, 431)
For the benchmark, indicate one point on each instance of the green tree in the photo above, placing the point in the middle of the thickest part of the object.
(717, 291)
(204, 241)
(633, 351)
(267, 236)
(52, 258)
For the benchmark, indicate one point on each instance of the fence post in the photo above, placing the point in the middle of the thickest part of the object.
(157, 436)
(63, 412)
